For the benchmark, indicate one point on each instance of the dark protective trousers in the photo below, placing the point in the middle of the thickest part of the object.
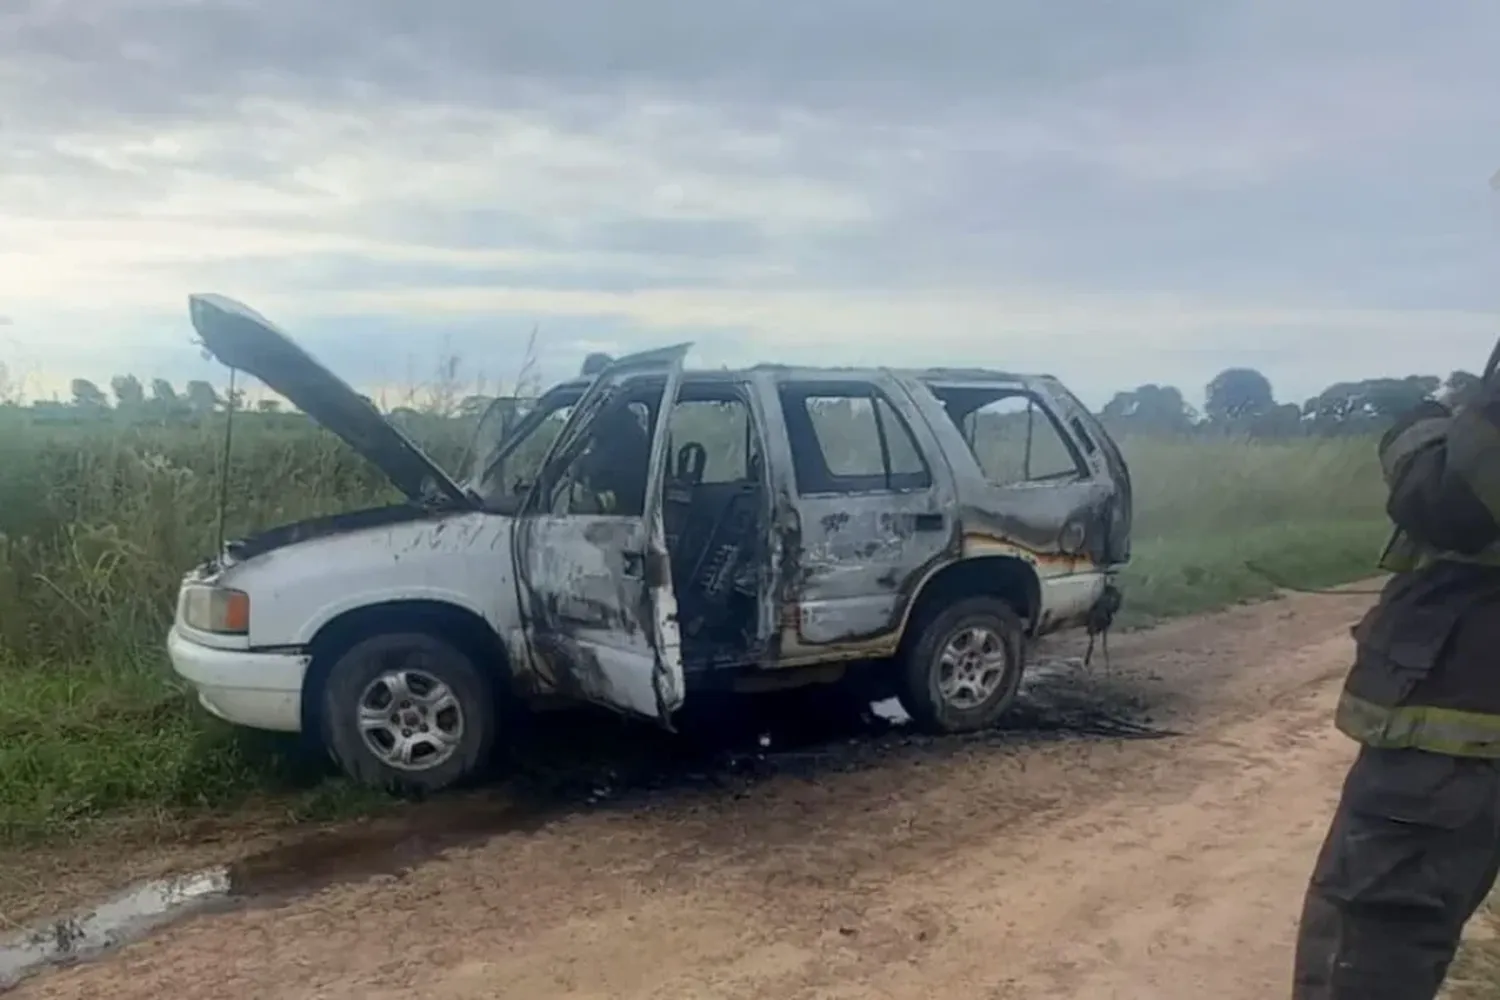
(1412, 852)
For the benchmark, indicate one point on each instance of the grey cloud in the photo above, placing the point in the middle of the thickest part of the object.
(164, 56)
(826, 45)
(696, 238)
(1326, 153)
(470, 228)
(370, 350)
(506, 229)
(330, 273)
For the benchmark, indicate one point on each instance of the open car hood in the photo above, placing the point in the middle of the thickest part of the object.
(242, 338)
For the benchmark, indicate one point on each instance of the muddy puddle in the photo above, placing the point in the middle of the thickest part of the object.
(125, 917)
(573, 764)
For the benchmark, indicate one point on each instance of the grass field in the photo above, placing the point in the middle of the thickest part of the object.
(97, 524)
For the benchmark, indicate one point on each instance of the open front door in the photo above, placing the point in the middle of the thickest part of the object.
(594, 578)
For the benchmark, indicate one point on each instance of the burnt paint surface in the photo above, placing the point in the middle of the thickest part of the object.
(587, 608)
(335, 524)
(850, 565)
(850, 560)
(853, 574)
(582, 601)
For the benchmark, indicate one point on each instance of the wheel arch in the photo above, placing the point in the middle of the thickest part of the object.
(1010, 578)
(450, 622)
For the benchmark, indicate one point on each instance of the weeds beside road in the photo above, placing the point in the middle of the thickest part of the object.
(97, 525)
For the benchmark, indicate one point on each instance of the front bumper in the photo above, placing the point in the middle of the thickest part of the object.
(255, 689)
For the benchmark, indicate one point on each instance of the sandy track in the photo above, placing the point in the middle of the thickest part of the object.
(1085, 869)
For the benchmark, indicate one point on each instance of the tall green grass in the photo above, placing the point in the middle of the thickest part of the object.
(97, 523)
(1308, 511)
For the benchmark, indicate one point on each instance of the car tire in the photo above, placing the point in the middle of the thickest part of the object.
(963, 667)
(409, 713)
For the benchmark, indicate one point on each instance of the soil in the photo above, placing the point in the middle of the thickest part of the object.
(1140, 830)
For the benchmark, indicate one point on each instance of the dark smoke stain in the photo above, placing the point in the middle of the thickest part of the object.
(835, 522)
(381, 848)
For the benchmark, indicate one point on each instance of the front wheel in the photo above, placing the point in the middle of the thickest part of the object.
(963, 668)
(409, 713)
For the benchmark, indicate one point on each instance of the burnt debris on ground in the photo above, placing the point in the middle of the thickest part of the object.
(582, 761)
(814, 732)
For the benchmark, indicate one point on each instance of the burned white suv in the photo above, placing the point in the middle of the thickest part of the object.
(650, 533)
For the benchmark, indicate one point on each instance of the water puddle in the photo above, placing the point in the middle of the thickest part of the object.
(123, 918)
(385, 847)
(575, 765)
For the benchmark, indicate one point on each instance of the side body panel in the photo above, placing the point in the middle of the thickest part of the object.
(846, 557)
(850, 564)
(1068, 530)
(595, 588)
(593, 625)
(460, 559)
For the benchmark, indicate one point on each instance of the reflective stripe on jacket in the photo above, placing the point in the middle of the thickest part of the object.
(1451, 731)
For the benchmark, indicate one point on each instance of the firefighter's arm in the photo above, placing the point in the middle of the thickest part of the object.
(1443, 470)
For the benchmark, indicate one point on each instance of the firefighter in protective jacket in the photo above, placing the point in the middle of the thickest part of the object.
(1414, 845)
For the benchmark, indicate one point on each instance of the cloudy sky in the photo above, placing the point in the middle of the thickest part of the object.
(1116, 192)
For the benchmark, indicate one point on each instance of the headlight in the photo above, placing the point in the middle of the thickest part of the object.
(215, 609)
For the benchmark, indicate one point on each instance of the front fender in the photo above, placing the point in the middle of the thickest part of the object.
(463, 561)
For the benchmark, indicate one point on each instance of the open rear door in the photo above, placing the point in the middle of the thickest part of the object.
(591, 561)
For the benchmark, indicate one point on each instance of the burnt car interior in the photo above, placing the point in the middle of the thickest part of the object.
(714, 512)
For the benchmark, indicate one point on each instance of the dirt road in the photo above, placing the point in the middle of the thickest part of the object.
(1038, 868)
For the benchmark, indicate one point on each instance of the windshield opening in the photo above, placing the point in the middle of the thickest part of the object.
(509, 449)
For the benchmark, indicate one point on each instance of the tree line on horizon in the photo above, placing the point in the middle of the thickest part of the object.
(1237, 400)
(1242, 400)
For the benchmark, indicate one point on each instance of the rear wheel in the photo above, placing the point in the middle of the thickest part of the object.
(409, 713)
(963, 668)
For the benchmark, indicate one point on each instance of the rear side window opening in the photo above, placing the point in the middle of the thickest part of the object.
(1013, 437)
